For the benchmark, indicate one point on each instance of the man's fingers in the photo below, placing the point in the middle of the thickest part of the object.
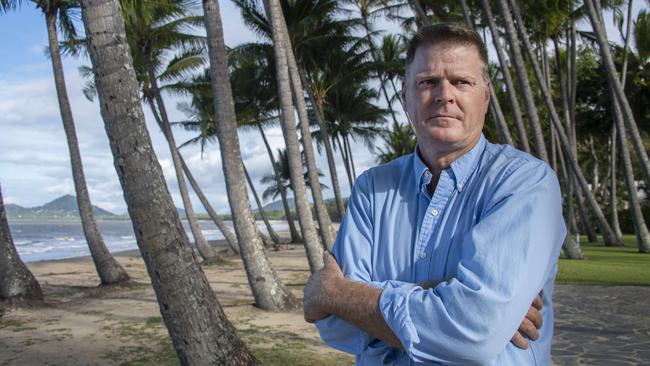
(528, 329)
(535, 317)
(537, 302)
(519, 341)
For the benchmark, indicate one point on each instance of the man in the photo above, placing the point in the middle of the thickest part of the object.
(441, 252)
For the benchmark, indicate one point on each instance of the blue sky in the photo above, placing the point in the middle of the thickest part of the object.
(34, 160)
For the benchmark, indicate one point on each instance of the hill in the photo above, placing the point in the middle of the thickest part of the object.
(64, 207)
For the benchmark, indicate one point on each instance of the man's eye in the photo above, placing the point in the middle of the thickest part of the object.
(462, 82)
(426, 82)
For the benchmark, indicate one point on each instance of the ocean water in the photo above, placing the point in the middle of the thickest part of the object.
(47, 240)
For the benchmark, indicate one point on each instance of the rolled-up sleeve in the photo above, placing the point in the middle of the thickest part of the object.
(503, 264)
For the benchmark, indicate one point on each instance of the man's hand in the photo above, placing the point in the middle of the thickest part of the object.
(320, 289)
(529, 326)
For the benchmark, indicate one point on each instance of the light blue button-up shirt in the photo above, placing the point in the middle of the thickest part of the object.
(492, 230)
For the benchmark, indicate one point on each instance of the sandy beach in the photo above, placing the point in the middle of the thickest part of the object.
(83, 324)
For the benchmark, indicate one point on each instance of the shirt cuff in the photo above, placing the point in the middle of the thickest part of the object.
(394, 307)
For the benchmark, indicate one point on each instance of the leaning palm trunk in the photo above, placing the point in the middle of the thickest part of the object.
(312, 245)
(231, 239)
(199, 329)
(346, 145)
(346, 161)
(608, 235)
(594, 11)
(207, 252)
(524, 83)
(268, 290)
(274, 236)
(570, 246)
(640, 227)
(329, 153)
(495, 106)
(324, 222)
(295, 237)
(510, 86)
(109, 270)
(17, 283)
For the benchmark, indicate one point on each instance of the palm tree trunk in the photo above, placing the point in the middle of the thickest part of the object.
(207, 252)
(594, 11)
(313, 247)
(608, 235)
(109, 270)
(495, 106)
(231, 239)
(268, 290)
(17, 283)
(584, 219)
(524, 83)
(199, 329)
(295, 237)
(324, 221)
(346, 162)
(613, 198)
(346, 145)
(570, 246)
(373, 54)
(640, 227)
(329, 153)
(274, 236)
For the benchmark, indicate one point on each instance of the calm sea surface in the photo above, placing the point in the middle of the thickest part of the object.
(45, 240)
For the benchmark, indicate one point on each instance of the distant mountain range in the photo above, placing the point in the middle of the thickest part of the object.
(64, 207)
(277, 205)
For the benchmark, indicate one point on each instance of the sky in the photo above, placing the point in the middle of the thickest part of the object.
(34, 158)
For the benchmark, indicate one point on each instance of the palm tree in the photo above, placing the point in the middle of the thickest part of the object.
(152, 28)
(284, 183)
(17, 283)
(398, 142)
(495, 106)
(109, 270)
(505, 72)
(268, 290)
(310, 26)
(524, 83)
(353, 115)
(200, 331)
(313, 247)
(252, 105)
(595, 16)
(608, 235)
(322, 216)
(260, 208)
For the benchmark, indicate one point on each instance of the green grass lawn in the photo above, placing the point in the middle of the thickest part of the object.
(607, 265)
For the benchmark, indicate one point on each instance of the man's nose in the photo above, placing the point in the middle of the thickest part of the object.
(444, 92)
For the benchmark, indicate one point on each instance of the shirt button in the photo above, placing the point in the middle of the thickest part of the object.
(434, 212)
(423, 254)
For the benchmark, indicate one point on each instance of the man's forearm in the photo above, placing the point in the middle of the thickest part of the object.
(358, 304)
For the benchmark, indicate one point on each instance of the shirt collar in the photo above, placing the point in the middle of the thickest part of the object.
(460, 169)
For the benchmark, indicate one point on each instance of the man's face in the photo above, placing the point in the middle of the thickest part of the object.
(446, 98)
